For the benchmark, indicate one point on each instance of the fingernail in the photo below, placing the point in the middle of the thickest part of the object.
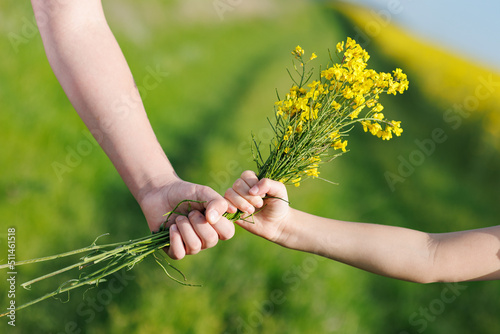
(212, 217)
(174, 228)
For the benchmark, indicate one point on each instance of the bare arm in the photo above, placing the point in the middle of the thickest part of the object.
(390, 251)
(397, 252)
(93, 72)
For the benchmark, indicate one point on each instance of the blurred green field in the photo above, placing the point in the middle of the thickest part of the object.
(223, 73)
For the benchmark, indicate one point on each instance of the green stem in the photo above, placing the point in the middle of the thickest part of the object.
(233, 216)
(74, 252)
(54, 273)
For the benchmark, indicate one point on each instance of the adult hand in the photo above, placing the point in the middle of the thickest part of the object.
(204, 225)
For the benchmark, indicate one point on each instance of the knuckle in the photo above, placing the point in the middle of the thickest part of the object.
(227, 235)
(228, 192)
(195, 215)
(247, 173)
(238, 183)
(211, 241)
(265, 182)
(195, 247)
(227, 232)
(257, 202)
(181, 220)
(175, 255)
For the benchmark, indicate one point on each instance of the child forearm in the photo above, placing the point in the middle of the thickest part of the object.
(385, 250)
(398, 252)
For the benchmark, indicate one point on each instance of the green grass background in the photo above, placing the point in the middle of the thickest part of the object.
(222, 82)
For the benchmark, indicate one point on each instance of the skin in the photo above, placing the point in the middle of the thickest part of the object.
(93, 72)
(390, 251)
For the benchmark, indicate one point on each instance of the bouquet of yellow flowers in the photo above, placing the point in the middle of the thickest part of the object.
(311, 125)
(316, 117)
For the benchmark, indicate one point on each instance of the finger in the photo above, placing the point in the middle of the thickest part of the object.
(230, 206)
(176, 250)
(191, 240)
(270, 188)
(205, 231)
(241, 187)
(249, 177)
(239, 201)
(215, 207)
(225, 229)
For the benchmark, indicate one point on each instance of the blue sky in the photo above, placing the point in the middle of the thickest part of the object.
(471, 28)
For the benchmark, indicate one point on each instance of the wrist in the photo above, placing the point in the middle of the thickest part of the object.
(289, 231)
(299, 232)
(152, 197)
(151, 185)
(139, 159)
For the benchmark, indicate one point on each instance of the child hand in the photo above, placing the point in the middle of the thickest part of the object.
(264, 203)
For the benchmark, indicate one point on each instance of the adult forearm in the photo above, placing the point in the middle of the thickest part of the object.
(93, 72)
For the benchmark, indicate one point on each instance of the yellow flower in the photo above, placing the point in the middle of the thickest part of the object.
(313, 56)
(314, 113)
(348, 93)
(304, 116)
(370, 103)
(340, 145)
(350, 43)
(313, 84)
(302, 103)
(299, 128)
(340, 47)
(328, 73)
(298, 51)
(399, 75)
(359, 100)
(378, 108)
(314, 159)
(356, 112)
(312, 172)
(385, 135)
(366, 125)
(396, 128)
(334, 135)
(296, 181)
(374, 128)
(336, 105)
(393, 87)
